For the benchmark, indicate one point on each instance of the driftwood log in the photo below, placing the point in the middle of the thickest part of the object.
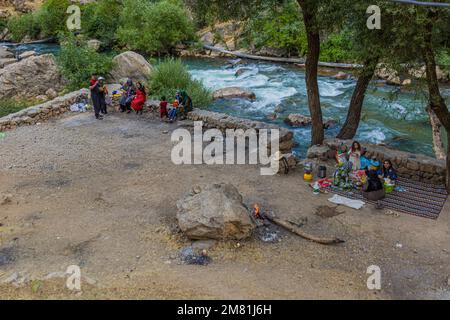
(299, 61)
(296, 230)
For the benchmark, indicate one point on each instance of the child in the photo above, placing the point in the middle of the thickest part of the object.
(355, 156)
(163, 108)
(174, 111)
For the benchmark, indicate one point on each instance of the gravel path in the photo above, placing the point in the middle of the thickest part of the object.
(102, 195)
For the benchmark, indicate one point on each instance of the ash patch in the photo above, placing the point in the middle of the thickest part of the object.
(58, 183)
(132, 166)
(7, 256)
(268, 232)
(189, 256)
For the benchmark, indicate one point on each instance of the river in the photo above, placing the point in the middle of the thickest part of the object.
(391, 115)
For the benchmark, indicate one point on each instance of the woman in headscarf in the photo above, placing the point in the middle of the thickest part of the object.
(185, 102)
(139, 99)
(128, 92)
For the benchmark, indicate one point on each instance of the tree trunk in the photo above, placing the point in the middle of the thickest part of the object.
(438, 144)
(351, 124)
(311, 66)
(436, 101)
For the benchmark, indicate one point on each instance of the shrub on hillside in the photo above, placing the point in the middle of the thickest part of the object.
(279, 27)
(24, 25)
(336, 48)
(8, 106)
(154, 27)
(100, 20)
(52, 17)
(78, 62)
(172, 75)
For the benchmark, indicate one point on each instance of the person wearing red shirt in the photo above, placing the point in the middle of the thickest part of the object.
(163, 108)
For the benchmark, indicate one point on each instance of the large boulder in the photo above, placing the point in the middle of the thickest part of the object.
(7, 61)
(130, 65)
(234, 93)
(27, 54)
(214, 212)
(297, 120)
(30, 77)
(5, 53)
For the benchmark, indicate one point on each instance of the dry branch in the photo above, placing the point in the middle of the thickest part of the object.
(296, 230)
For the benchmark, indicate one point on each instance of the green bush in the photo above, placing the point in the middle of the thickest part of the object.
(8, 106)
(24, 25)
(100, 20)
(279, 27)
(77, 62)
(172, 75)
(336, 48)
(443, 58)
(154, 27)
(52, 17)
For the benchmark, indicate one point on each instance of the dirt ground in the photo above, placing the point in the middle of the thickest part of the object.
(102, 195)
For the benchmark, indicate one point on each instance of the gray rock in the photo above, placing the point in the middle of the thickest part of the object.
(7, 61)
(130, 65)
(27, 54)
(233, 93)
(297, 120)
(94, 44)
(217, 212)
(30, 77)
(5, 53)
(318, 152)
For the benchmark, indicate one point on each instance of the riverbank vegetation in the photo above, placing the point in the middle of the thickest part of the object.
(164, 83)
(8, 106)
(77, 62)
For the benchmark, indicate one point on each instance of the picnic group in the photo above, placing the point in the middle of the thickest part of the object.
(132, 97)
(356, 171)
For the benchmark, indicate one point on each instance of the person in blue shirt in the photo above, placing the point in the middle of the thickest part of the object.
(388, 171)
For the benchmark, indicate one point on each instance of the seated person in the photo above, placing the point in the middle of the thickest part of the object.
(373, 189)
(163, 108)
(139, 99)
(388, 171)
(174, 111)
(128, 92)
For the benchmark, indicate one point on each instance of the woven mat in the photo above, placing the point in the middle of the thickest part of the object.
(419, 199)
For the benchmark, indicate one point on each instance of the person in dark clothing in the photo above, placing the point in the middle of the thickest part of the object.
(185, 103)
(95, 96)
(128, 93)
(373, 188)
(103, 93)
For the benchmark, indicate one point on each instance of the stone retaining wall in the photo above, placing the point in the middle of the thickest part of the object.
(413, 166)
(42, 112)
(223, 121)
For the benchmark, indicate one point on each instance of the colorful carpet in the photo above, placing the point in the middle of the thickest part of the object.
(416, 198)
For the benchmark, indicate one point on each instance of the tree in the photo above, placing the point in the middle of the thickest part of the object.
(433, 20)
(309, 11)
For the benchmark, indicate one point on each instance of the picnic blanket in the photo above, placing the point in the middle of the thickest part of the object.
(411, 197)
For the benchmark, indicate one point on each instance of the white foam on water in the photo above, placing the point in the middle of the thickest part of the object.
(397, 107)
(330, 89)
(373, 136)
